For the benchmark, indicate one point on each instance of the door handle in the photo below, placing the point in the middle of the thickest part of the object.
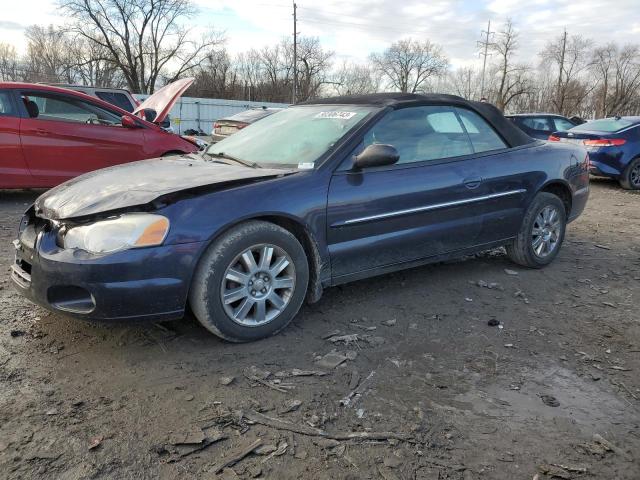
(472, 183)
(41, 131)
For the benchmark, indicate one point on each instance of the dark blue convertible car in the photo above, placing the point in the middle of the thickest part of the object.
(313, 196)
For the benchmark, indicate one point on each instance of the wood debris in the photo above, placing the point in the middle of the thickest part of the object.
(236, 455)
(279, 424)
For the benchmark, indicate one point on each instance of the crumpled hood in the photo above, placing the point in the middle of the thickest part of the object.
(139, 183)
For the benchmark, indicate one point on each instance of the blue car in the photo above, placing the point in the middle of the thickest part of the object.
(313, 196)
(613, 145)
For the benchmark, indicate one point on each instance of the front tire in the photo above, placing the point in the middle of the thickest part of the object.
(631, 178)
(250, 283)
(541, 234)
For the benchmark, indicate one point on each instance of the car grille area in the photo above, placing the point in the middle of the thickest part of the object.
(21, 273)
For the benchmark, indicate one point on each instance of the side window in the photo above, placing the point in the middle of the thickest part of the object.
(117, 99)
(445, 122)
(7, 109)
(421, 134)
(482, 135)
(538, 123)
(562, 125)
(66, 109)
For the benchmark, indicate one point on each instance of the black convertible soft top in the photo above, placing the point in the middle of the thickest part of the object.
(512, 134)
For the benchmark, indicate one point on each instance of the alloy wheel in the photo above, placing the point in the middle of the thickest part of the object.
(258, 285)
(546, 231)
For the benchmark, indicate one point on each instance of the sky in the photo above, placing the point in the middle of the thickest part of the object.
(355, 28)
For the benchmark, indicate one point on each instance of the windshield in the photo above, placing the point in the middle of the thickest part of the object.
(603, 125)
(295, 136)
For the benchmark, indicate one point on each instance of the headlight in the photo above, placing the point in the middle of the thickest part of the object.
(131, 230)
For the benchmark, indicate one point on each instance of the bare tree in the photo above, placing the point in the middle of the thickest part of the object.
(267, 73)
(465, 82)
(91, 65)
(249, 69)
(48, 57)
(276, 70)
(144, 38)
(626, 84)
(217, 77)
(409, 64)
(570, 56)
(603, 66)
(313, 64)
(512, 78)
(353, 79)
(8, 63)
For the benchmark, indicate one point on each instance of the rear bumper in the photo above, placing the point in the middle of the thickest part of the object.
(600, 169)
(149, 283)
(604, 164)
(578, 202)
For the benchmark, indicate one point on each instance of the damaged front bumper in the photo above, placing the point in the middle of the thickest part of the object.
(145, 283)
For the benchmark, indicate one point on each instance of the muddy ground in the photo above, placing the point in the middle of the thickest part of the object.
(553, 390)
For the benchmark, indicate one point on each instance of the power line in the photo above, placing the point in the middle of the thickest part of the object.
(319, 14)
(367, 26)
(277, 5)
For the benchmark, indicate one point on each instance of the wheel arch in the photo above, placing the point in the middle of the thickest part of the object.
(310, 245)
(561, 190)
(302, 234)
(625, 177)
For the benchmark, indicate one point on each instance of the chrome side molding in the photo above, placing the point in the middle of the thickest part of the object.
(428, 207)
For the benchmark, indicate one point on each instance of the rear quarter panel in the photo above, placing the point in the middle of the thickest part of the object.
(530, 168)
(566, 164)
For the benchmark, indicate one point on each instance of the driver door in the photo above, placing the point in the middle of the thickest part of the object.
(65, 136)
(422, 206)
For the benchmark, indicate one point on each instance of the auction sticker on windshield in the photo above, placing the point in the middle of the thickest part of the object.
(339, 115)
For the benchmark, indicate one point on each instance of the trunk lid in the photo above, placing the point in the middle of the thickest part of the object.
(578, 137)
(228, 127)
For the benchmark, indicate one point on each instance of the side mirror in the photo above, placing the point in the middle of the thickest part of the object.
(376, 155)
(128, 122)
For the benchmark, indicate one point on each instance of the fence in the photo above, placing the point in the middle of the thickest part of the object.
(200, 113)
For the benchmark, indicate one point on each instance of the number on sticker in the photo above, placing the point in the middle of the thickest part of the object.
(338, 115)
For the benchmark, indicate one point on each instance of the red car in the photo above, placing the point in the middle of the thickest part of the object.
(49, 134)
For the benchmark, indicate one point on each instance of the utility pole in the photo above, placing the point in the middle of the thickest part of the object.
(560, 99)
(295, 54)
(485, 45)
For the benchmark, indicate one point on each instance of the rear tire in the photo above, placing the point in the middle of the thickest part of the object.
(250, 283)
(631, 178)
(541, 234)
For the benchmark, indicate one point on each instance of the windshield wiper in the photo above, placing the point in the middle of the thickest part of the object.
(234, 159)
